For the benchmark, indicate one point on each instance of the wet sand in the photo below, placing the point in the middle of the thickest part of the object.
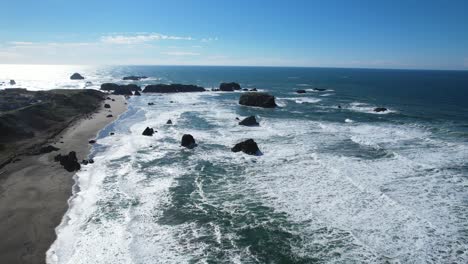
(34, 191)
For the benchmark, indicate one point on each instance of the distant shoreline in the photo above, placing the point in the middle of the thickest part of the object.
(34, 190)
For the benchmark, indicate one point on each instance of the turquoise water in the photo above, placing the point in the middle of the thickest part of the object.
(333, 186)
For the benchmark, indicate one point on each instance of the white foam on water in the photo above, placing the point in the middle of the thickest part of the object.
(366, 108)
(301, 100)
(347, 120)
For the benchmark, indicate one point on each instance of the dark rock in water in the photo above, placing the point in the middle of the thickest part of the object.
(88, 83)
(237, 118)
(109, 86)
(91, 161)
(257, 99)
(319, 89)
(137, 93)
(148, 132)
(249, 147)
(92, 141)
(229, 87)
(380, 109)
(253, 89)
(12, 82)
(134, 78)
(111, 133)
(339, 106)
(113, 100)
(215, 90)
(123, 90)
(245, 89)
(76, 76)
(108, 116)
(107, 106)
(169, 122)
(171, 102)
(48, 149)
(301, 91)
(84, 162)
(69, 162)
(150, 103)
(172, 88)
(188, 141)
(249, 121)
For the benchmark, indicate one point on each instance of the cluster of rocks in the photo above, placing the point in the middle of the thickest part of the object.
(69, 162)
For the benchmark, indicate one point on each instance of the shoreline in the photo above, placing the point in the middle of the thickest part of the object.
(34, 191)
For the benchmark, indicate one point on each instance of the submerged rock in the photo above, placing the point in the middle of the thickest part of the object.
(173, 88)
(148, 132)
(249, 121)
(76, 76)
(248, 147)
(134, 78)
(229, 87)
(48, 149)
(380, 109)
(69, 162)
(301, 91)
(257, 99)
(188, 141)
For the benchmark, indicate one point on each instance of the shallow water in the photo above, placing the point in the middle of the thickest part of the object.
(333, 186)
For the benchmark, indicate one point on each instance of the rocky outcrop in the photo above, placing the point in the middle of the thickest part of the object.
(249, 121)
(257, 99)
(248, 147)
(148, 132)
(123, 90)
(173, 88)
(107, 106)
(188, 141)
(134, 78)
(76, 76)
(69, 162)
(137, 93)
(229, 87)
(380, 109)
(114, 86)
(301, 91)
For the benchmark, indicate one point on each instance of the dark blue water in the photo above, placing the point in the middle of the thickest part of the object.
(335, 184)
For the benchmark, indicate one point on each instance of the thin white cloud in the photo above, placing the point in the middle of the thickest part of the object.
(21, 43)
(209, 39)
(139, 38)
(180, 53)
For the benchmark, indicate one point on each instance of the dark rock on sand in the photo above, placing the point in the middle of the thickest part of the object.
(76, 76)
(173, 88)
(380, 109)
(137, 93)
(249, 147)
(229, 87)
(107, 106)
(12, 82)
(257, 99)
(48, 149)
(188, 141)
(69, 162)
(148, 132)
(109, 116)
(301, 91)
(169, 122)
(249, 121)
(134, 78)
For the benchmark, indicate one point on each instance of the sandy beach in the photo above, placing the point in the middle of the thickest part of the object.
(34, 191)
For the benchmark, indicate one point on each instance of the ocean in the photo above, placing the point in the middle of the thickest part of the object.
(334, 185)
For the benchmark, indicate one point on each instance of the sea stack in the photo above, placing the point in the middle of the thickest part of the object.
(257, 99)
(229, 87)
(188, 141)
(76, 76)
(248, 147)
(249, 121)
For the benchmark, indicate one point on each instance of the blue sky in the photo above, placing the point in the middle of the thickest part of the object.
(377, 34)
